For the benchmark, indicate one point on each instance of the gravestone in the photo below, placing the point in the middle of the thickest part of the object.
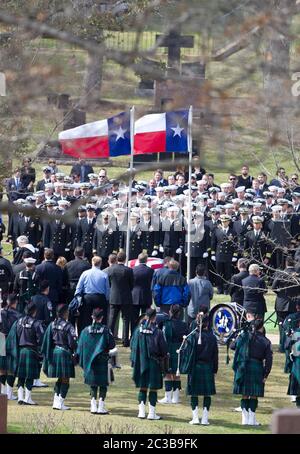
(174, 42)
(148, 71)
(73, 118)
(286, 421)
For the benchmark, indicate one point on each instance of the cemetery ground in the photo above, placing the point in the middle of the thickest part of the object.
(122, 403)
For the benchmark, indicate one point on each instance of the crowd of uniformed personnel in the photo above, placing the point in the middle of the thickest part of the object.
(81, 219)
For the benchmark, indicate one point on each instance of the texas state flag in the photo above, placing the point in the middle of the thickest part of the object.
(100, 139)
(164, 132)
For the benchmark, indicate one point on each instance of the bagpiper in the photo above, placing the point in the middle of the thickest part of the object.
(94, 345)
(59, 347)
(8, 316)
(252, 365)
(199, 359)
(23, 352)
(173, 329)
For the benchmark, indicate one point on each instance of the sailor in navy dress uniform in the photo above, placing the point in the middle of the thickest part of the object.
(150, 237)
(136, 241)
(173, 242)
(200, 242)
(257, 246)
(58, 236)
(86, 232)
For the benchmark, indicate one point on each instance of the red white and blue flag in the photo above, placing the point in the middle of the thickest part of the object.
(163, 132)
(99, 139)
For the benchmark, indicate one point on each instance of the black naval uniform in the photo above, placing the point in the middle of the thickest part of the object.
(198, 248)
(58, 237)
(135, 242)
(241, 228)
(173, 238)
(30, 227)
(224, 247)
(150, 237)
(257, 247)
(85, 236)
(280, 236)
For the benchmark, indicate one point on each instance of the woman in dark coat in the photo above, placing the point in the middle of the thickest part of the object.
(200, 361)
(148, 348)
(173, 329)
(94, 345)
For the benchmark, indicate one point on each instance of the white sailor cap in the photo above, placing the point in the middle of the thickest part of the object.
(273, 188)
(282, 201)
(49, 186)
(47, 169)
(236, 201)
(281, 190)
(63, 203)
(228, 206)
(225, 185)
(240, 189)
(173, 208)
(93, 176)
(202, 182)
(60, 175)
(257, 219)
(39, 194)
(257, 205)
(214, 189)
(120, 210)
(91, 207)
(29, 260)
(159, 189)
(143, 183)
(146, 211)
(295, 194)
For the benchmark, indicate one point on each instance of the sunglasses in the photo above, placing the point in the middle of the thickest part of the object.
(232, 179)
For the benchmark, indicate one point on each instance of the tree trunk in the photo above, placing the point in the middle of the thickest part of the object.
(93, 80)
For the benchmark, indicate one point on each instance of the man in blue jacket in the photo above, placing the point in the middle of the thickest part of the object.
(171, 288)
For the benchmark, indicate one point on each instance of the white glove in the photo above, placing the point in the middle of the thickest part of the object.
(157, 309)
(154, 253)
(161, 249)
(179, 251)
(205, 255)
(186, 254)
(234, 259)
(213, 257)
(67, 249)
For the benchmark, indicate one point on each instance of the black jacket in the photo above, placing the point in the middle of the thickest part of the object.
(44, 308)
(8, 318)
(141, 292)
(30, 332)
(77, 170)
(254, 290)
(121, 284)
(6, 275)
(207, 351)
(236, 289)
(75, 268)
(49, 271)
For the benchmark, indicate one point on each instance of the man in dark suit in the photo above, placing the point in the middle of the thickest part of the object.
(83, 170)
(104, 242)
(286, 285)
(141, 292)
(224, 252)
(236, 289)
(254, 289)
(121, 285)
(40, 186)
(49, 271)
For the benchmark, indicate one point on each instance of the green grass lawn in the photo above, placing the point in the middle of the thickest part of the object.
(122, 403)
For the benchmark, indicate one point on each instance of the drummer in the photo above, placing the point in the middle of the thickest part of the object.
(252, 365)
(174, 329)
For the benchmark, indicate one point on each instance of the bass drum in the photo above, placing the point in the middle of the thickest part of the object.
(225, 319)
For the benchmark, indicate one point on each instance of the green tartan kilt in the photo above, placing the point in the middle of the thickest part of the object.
(173, 357)
(294, 386)
(151, 378)
(61, 365)
(201, 382)
(253, 382)
(29, 364)
(3, 363)
(98, 374)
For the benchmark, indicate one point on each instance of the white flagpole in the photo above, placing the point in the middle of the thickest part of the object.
(132, 112)
(190, 151)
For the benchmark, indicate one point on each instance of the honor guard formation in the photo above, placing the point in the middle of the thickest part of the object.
(68, 282)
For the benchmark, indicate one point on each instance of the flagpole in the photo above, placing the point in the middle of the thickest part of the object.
(190, 151)
(132, 112)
